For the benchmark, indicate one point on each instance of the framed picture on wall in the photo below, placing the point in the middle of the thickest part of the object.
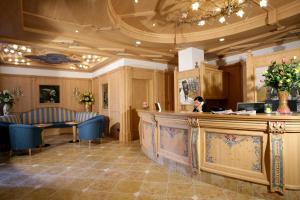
(189, 88)
(49, 94)
(105, 96)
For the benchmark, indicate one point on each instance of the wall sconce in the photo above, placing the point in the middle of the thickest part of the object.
(17, 93)
(76, 92)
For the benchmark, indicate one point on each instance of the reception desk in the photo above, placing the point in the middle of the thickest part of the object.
(262, 149)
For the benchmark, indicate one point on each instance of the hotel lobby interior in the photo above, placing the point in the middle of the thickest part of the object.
(150, 99)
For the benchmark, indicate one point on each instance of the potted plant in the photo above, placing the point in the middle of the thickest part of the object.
(7, 100)
(87, 99)
(283, 77)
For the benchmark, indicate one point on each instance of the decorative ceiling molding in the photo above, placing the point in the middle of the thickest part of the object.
(258, 21)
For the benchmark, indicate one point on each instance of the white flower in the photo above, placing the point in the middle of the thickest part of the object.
(5, 92)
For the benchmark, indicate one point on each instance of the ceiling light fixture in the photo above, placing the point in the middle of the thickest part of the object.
(195, 5)
(240, 13)
(199, 11)
(14, 53)
(263, 3)
(138, 43)
(136, 1)
(201, 23)
(222, 39)
(76, 31)
(222, 19)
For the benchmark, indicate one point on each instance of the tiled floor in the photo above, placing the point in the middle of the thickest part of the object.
(107, 171)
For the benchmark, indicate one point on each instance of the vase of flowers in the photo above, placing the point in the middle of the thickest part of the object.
(87, 99)
(283, 77)
(7, 100)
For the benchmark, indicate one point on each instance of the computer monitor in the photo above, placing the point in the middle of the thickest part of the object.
(259, 107)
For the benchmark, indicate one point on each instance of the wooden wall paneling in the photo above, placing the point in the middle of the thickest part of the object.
(25, 84)
(249, 77)
(96, 92)
(169, 90)
(233, 84)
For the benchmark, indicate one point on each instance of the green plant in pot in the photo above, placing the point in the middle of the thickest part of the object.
(283, 78)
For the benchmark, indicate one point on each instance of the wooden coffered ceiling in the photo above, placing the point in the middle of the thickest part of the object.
(110, 29)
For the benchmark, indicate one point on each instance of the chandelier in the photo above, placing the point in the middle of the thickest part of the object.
(201, 11)
(14, 53)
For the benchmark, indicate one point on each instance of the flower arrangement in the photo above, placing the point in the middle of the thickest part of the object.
(283, 77)
(6, 98)
(87, 98)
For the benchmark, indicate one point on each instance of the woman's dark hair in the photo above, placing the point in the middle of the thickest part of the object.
(199, 98)
(204, 106)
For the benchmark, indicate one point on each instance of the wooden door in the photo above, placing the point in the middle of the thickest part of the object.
(140, 93)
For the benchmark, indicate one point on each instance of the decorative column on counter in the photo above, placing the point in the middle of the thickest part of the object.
(276, 131)
(195, 143)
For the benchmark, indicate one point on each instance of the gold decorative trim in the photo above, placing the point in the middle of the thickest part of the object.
(276, 127)
(193, 122)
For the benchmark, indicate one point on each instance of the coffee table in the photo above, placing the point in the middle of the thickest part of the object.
(43, 126)
(74, 126)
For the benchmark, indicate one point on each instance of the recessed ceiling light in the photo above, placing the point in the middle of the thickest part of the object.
(28, 50)
(222, 39)
(153, 24)
(138, 42)
(9, 60)
(27, 63)
(136, 1)
(15, 46)
(76, 31)
(6, 50)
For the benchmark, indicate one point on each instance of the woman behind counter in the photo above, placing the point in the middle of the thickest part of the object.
(200, 105)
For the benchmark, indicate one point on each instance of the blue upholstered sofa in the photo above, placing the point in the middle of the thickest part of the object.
(90, 127)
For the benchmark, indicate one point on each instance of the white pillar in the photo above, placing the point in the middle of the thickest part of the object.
(187, 58)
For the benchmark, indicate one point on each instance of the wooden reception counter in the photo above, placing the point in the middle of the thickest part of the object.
(261, 148)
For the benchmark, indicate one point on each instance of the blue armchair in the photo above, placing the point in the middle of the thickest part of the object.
(24, 137)
(91, 129)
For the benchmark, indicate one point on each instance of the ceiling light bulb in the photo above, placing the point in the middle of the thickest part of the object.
(28, 50)
(16, 60)
(72, 67)
(136, 1)
(9, 60)
(95, 56)
(153, 24)
(222, 20)
(89, 56)
(138, 42)
(16, 63)
(76, 31)
(15, 46)
(241, 1)
(22, 60)
(263, 3)
(221, 39)
(19, 53)
(6, 50)
(240, 13)
(27, 63)
(218, 9)
(88, 60)
(98, 59)
(195, 5)
(201, 23)
(23, 48)
(12, 51)
(83, 57)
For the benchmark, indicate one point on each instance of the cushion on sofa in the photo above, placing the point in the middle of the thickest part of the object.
(83, 116)
(47, 115)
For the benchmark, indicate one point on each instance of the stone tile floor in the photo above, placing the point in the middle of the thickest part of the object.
(106, 171)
